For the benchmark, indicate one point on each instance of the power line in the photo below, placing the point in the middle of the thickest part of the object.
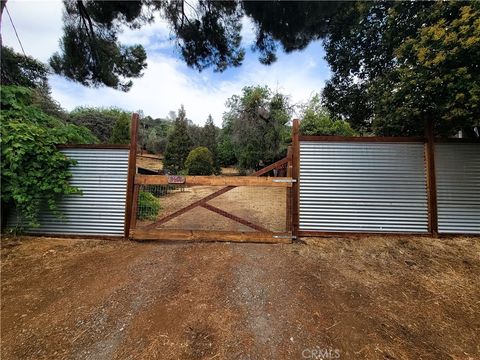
(14, 29)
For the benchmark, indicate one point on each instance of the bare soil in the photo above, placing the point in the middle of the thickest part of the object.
(378, 297)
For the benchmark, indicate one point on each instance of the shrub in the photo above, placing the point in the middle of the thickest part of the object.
(199, 162)
(148, 206)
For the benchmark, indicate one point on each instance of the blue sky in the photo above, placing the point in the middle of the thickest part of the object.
(167, 82)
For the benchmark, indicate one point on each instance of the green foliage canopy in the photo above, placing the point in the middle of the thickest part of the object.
(17, 69)
(153, 133)
(100, 121)
(226, 150)
(316, 120)
(397, 65)
(207, 34)
(437, 80)
(90, 51)
(121, 130)
(384, 81)
(179, 144)
(34, 173)
(256, 122)
(210, 140)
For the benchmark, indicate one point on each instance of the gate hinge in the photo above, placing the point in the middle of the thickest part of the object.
(285, 180)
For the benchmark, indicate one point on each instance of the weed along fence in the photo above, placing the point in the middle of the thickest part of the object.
(331, 185)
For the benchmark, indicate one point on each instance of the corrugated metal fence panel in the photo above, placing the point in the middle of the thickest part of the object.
(458, 187)
(369, 187)
(101, 174)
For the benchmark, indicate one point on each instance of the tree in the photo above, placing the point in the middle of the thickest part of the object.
(436, 81)
(121, 130)
(199, 162)
(179, 144)
(226, 151)
(316, 120)
(100, 121)
(17, 69)
(90, 51)
(398, 64)
(256, 121)
(207, 34)
(34, 173)
(210, 140)
(195, 133)
(154, 143)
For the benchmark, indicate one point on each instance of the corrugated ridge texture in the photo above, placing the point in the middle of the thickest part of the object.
(101, 174)
(457, 168)
(362, 187)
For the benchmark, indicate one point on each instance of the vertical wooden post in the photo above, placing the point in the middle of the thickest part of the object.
(133, 215)
(289, 192)
(132, 169)
(295, 176)
(431, 178)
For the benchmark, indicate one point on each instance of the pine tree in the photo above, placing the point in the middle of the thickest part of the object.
(209, 140)
(179, 144)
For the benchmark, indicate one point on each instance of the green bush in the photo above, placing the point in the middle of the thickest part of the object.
(200, 162)
(148, 206)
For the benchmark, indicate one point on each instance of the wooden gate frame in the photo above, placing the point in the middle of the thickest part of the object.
(261, 234)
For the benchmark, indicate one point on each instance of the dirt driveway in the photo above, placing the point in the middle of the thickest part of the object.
(367, 298)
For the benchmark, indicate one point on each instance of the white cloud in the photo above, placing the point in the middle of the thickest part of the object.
(39, 26)
(154, 36)
(167, 82)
